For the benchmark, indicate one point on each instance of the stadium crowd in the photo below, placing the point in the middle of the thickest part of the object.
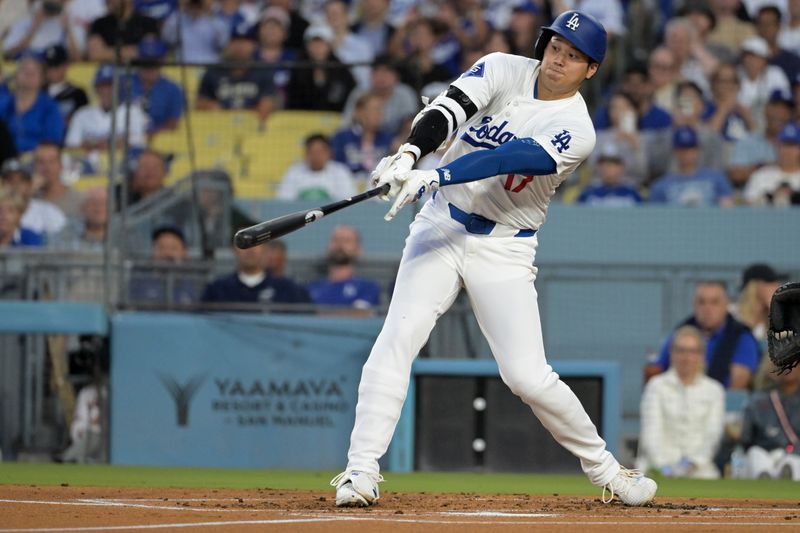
(697, 107)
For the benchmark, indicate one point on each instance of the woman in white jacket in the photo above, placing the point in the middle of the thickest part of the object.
(682, 413)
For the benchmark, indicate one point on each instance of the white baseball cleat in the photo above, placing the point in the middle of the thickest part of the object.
(631, 487)
(356, 489)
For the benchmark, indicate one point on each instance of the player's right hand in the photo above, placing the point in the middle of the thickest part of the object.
(389, 169)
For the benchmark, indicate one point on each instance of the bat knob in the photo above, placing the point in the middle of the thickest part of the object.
(243, 240)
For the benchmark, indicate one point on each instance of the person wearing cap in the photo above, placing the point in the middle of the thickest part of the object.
(39, 216)
(12, 233)
(325, 84)
(159, 10)
(30, 114)
(46, 25)
(272, 33)
(693, 110)
(611, 189)
(732, 352)
(778, 184)
(759, 283)
(90, 128)
(758, 80)
(203, 35)
(69, 97)
(238, 87)
(690, 185)
(161, 98)
(768, 25)
(122, 23)
(400, 102)
(348, 47)
(760, 148)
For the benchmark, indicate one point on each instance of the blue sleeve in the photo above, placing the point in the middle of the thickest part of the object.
(663, 354)
(54, 124)
(176, 102)
(724, 188)
(520, 156)
(746, 352)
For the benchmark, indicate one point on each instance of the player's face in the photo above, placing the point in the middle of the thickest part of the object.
(564, 68)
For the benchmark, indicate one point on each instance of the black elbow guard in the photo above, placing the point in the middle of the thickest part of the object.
(433, 128)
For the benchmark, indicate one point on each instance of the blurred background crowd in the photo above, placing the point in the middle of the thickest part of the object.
(156, 128)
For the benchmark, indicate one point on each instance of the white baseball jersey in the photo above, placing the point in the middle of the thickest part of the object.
(502, 87)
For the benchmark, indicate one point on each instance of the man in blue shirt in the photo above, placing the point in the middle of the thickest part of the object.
(252, 283)
(691, 186)
(161, 98)
(342, 288)
(732, 353)
(611, 191)
(362, 144)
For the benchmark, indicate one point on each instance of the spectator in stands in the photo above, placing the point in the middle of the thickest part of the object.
(703, 19)
(161, 98)
(30, 114)
(39, 216)
(238, 87)
(770, 428)
(654, 123)
(691, 185)
(341, 287)
(758, 80)
(691, 110)
(730, 31)
(151, 285)
(419, 67)
(318, 177)
(326, 84)
(69, 97)
(272, 33)
(731, 350)
(275, 258)
(682, 413)
(768, 25)
(663, 73)
(693, 59)
(623, 133)
(90, 128)
(464, 27)
(524, 27)
(373, 27)
(122, 25)
(498, 41)
(88, 232)
(759, 283)
(349, 47)
(362, 144)
(47, 172)
(200, 33)
(399, 100)
(149, 176)
(611, 189)
(12, 233)
(778, 184)
(758, 149)
(726, 115)
(160, 10)
(45, 25)
(789, 36)
(297, 23)
(82, 13)
(252, 283)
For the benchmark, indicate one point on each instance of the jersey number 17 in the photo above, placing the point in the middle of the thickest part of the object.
(509, 184)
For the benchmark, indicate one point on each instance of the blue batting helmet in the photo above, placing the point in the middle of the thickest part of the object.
(584, 32)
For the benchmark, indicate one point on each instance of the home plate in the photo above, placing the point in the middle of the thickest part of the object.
(499, 513)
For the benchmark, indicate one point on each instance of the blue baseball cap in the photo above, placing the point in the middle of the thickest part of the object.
(243, 30)
(685, 137)
(104, 74)
(790, 134)
(152, 48)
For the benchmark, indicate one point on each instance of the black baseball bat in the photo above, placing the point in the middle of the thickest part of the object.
(277, 227)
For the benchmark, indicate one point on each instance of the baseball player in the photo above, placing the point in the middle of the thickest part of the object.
(518, 127)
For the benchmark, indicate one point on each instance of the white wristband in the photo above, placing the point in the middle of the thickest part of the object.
(408, 147)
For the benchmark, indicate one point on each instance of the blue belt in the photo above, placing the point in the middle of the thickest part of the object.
(480, 225)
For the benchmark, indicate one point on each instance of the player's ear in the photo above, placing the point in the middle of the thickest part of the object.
(592, 70)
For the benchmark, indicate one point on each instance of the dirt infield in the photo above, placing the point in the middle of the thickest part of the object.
(65, 508)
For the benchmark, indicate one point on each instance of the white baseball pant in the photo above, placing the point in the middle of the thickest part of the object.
(498, 273)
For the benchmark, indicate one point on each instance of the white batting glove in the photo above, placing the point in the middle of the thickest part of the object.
(413, 186)
(392, 166)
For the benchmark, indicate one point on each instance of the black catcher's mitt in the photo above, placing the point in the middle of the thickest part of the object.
(783, 336)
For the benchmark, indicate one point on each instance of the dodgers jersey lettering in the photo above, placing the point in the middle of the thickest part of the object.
(502, 87)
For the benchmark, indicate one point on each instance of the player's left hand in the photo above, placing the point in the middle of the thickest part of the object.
(413, 186)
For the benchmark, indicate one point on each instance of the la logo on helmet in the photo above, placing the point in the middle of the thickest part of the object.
(573, 22)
